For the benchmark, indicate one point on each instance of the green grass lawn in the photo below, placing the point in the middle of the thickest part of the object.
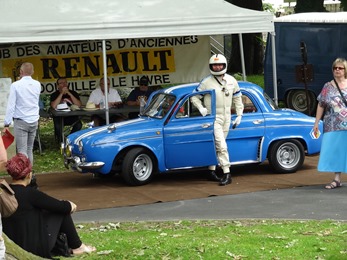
(234, 239)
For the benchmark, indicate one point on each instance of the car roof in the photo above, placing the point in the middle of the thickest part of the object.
(183, 89)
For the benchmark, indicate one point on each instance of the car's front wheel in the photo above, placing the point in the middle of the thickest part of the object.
(286, 156)
(138, 167)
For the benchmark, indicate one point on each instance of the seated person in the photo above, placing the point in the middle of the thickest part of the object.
(114, 100)
(39, 218)
(70, 97)
(136, 94)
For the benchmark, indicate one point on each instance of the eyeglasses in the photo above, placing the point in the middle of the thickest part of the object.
(338, 68)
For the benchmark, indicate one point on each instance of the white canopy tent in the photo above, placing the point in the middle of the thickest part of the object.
(74, 20)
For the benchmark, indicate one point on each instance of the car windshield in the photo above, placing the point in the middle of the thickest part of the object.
(270, 101)
(159, 106)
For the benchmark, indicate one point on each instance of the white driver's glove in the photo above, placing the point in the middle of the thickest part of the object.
(237, 120)
(203, 111)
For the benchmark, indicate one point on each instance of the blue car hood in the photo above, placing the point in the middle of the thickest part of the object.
(127, 130)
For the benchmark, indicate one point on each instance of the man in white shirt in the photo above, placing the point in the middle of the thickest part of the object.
(98, 98)
(23, 110)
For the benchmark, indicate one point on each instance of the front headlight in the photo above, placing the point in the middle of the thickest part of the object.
(68, 150)
(80, 146)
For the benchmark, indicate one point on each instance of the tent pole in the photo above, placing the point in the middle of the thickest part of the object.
(244, 77)
(105, 81)
(274, 66)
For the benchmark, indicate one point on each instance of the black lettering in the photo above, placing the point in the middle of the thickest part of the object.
(81, 86)
(162, 58)
(145, 59)
(5, 53)
(194, 39)
(20, 51)
(121, 43)
(70, 49)
(108, 45)
(161, 42)
(113, 83)
(170, 41)
(112, 63)
(135, 81)
(133, 43)
(36, 49)
(59, 49)
(141, 43)
(165, 79)
(125, 61)
(92, 85)
(48, 88)
(122, 81)
(71, 66)
(94, 67)
(49, 67)
(50, 50)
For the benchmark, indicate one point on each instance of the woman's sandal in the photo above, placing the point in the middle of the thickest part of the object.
(334, 184)
(83, 249)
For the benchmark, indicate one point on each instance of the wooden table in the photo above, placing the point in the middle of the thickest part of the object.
(112, 111)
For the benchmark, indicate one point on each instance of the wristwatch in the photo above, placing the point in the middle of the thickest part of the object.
(6, 125)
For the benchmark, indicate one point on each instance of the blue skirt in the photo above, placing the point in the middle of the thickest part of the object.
(333, 153)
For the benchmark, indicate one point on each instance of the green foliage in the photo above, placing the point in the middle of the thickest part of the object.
(256, 79)
(343, 5)
(51, 159)
(303, 6)
(269, 8)
(234, 239)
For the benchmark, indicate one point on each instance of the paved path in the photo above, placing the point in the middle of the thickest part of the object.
(309, 202)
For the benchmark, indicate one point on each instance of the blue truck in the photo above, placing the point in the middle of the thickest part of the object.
(318, 37)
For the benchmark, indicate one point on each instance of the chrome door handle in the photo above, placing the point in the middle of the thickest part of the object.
(207, 125)
(258, 122)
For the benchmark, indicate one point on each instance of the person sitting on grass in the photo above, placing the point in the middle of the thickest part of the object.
(40, 218)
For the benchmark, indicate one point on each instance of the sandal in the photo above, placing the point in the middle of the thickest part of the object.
(334, 184)
(83, 249)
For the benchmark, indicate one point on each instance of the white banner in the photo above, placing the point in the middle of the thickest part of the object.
(165, 61)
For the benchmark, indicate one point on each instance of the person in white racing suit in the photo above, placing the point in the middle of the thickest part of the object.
(227, 91)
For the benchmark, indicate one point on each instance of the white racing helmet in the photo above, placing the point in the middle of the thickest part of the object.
(218, 59)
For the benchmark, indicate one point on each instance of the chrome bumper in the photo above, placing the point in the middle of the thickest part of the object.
(76, 164)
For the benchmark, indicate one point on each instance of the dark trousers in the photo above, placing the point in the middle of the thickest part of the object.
(59, 223)
(73, 121)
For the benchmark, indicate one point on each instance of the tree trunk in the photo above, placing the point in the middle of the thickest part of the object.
(252, 45)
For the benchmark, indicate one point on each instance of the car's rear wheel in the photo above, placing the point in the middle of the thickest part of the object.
(286, 156)
(138, 167)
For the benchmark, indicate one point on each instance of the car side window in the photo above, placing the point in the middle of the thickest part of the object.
(188, 109)
(249, 107)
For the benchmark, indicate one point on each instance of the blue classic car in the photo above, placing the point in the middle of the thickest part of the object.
(171, 134)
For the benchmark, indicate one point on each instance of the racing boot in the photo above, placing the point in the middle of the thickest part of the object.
(226, 179)
(213, 176)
